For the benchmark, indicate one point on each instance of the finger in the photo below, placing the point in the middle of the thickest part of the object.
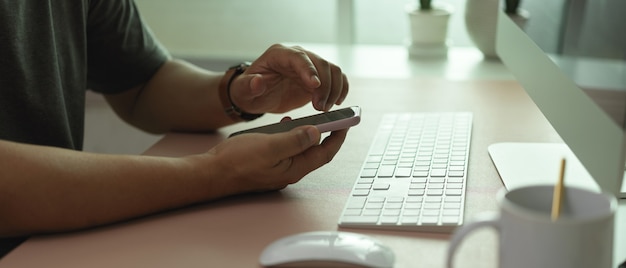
(285, 119)
(336, 87)
(294, 142)
(344, 90)
(323, 90)
(317, 156)
(333, 142)
(321, 94)
(304, 65)
(290, 61)
(257, 85)
(245, 88)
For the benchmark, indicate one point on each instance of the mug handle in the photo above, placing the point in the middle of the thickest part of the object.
(486, 219)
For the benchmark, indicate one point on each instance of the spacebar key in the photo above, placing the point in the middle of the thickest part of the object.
(359, 220)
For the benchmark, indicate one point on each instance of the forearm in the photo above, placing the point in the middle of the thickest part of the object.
(45, 189)
(179, 97)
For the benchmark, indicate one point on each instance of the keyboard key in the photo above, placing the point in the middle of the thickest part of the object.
(451, 212)
(362, 186)
(360, 192)
(435, 185)
(456, 173)
(395, 199)
(420, 174)
(457, 168)
(391, 212)
(453, 192)
(433, 199)
(453, 199)
(448, 220)
(434, 192)
(432, 206)
(381, 186)
(374, 206)
(368, 173)
(411, 212)
(409, 206)
(386, 220)
(409, 220)
(393, 206)
(403, 172)
(377, 199)
(359, 220)
(454, 186)
(456, 180)
(452, 205)
(356, 203)
(372, 212)
(352, 212)
(386, 171)
(416, 192)
(430, 220)
(417, 186)
(438, 173)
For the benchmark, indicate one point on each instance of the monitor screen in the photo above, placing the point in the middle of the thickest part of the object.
(586, 40)
(570, 57)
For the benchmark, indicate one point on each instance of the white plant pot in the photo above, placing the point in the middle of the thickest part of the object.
(429, 30)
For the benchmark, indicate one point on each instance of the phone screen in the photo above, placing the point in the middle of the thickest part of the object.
(350, 115)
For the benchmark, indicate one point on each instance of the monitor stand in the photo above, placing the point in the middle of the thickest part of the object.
(522, 164)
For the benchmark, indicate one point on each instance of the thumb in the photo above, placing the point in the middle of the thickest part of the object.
(257, 84)
(295, 141)
(248, 85)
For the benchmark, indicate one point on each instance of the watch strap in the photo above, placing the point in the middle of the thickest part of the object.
(234, 112)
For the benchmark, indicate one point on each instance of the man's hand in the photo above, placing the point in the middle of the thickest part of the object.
(285, 78)
(263, 162)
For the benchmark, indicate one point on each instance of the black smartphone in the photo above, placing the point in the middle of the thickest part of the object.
(328, 121)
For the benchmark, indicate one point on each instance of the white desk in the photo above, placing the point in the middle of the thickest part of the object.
(383, 61)
(233, 232)
(380, 61)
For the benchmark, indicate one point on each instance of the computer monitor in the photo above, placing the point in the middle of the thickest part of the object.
(570, 57)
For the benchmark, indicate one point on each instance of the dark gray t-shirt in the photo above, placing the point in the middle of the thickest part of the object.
(51, 51)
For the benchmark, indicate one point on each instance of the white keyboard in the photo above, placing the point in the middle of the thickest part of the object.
(415, 174)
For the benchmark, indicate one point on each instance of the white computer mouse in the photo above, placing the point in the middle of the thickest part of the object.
(327, 249)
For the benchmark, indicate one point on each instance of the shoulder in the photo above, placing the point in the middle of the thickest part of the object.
(122, 52)
(111, 12)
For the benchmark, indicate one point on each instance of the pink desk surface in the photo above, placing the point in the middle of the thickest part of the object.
(233, 232)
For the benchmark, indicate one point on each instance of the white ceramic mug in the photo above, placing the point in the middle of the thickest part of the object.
(582, 236)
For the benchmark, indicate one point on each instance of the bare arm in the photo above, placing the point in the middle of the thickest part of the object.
(183, 97)
(179, 97)
(46, 189)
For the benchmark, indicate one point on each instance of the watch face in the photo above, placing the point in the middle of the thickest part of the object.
(241, 66)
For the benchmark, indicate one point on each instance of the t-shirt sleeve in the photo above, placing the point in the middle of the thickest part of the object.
(122, 52)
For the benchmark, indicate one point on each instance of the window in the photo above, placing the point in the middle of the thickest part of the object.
(222, 28)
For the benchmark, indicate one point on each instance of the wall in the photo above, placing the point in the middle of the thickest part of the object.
(227, 28)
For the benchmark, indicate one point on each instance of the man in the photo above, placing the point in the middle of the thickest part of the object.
(52, 51)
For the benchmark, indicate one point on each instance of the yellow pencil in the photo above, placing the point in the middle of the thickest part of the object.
(558, 193)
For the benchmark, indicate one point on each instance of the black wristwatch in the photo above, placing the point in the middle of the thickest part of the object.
(230, 108)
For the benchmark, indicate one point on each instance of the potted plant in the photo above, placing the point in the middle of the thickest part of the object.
(429, 28)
